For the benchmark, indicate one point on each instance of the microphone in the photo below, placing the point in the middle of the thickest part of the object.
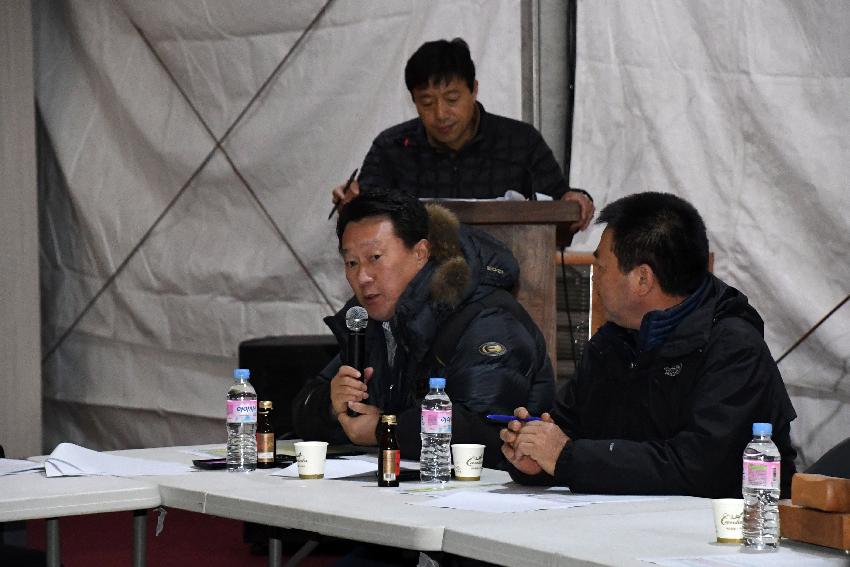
(356, 319)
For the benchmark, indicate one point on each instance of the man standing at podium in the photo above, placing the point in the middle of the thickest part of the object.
(436, 295)
(455, 148)
(669, 388)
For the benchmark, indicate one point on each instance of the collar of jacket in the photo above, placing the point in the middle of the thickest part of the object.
(718, 301)
(657, 325)
(465, 265)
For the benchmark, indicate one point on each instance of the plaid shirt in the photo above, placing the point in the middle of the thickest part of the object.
(504, 154)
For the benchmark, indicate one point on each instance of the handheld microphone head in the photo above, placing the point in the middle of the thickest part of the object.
(356, 318)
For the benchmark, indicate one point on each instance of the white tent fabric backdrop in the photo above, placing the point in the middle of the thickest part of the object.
(741, 107)
(149, 362)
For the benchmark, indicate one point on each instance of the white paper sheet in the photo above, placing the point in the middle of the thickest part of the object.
(492, 502)
(68, 459)
(560, 493)
(334, 468)
(217, 452)
(17, 466)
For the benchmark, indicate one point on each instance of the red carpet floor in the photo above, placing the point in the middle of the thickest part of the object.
(189, 539)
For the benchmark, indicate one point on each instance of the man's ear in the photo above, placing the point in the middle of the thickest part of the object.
(422, 249)
(475, 88)
(644, 280)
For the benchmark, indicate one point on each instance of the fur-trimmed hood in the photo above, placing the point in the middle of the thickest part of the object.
(465, 259)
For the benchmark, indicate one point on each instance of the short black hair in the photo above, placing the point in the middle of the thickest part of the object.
(407, 213)
(663, 231)
(440, 61)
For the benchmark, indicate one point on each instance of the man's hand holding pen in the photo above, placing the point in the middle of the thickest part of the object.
(342, 194)
(533, 446)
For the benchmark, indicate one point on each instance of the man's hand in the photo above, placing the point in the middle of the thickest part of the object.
(523, 464)
(533, 446)
(342, 198)
(346, 387)
(586, 212)
(361, 429)
(508, 435)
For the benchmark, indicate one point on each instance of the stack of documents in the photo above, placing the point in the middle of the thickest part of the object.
(68, 459)
(15, 466)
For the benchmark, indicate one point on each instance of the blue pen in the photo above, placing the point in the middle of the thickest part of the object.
(507, 418)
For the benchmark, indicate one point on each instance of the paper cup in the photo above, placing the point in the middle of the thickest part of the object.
(310, 456)
(728, 519)
(468, 459)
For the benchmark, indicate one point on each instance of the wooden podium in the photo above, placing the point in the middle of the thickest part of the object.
(532, 230)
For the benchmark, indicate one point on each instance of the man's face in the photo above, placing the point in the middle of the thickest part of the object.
(614, 287)
(378, 265)
(447, 111)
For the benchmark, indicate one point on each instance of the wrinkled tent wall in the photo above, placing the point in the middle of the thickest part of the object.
(739, 106)
(742, 108)
(20, 407)
(149, 362)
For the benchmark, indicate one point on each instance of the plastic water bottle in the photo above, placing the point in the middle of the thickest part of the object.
(761, 491)
(241, 423)
(435, 460)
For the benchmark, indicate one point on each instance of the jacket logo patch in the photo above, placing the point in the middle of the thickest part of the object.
(492, 349)
(673, 370)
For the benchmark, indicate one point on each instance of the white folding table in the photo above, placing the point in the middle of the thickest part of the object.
(34, 496)
(617, 534)
(614, 533)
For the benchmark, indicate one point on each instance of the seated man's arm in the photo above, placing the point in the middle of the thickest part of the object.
(482, 378)
(535, 455)
(313, 417)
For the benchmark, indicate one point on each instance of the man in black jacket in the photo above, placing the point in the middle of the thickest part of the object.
(669, 387)
(456, 149)
(423, 277)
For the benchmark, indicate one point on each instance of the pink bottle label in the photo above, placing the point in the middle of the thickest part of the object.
(241, 411)
(761, 474)
(435, 421)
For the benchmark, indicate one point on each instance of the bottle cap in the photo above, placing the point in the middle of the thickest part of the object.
(388, 418)
(241, 373)
(762, 429)
(437, 383)
(265, 404)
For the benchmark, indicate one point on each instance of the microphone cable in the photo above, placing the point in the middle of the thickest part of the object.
(569, 311)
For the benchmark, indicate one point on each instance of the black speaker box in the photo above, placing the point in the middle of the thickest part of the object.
(280, 365)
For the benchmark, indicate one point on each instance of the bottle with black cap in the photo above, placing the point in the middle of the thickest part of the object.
(265, 437)
(389, 459)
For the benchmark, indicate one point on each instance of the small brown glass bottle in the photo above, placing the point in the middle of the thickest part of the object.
(265, 437)
(389, 459)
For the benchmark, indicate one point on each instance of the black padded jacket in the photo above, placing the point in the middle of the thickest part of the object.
(479, 380)
(674, 419)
